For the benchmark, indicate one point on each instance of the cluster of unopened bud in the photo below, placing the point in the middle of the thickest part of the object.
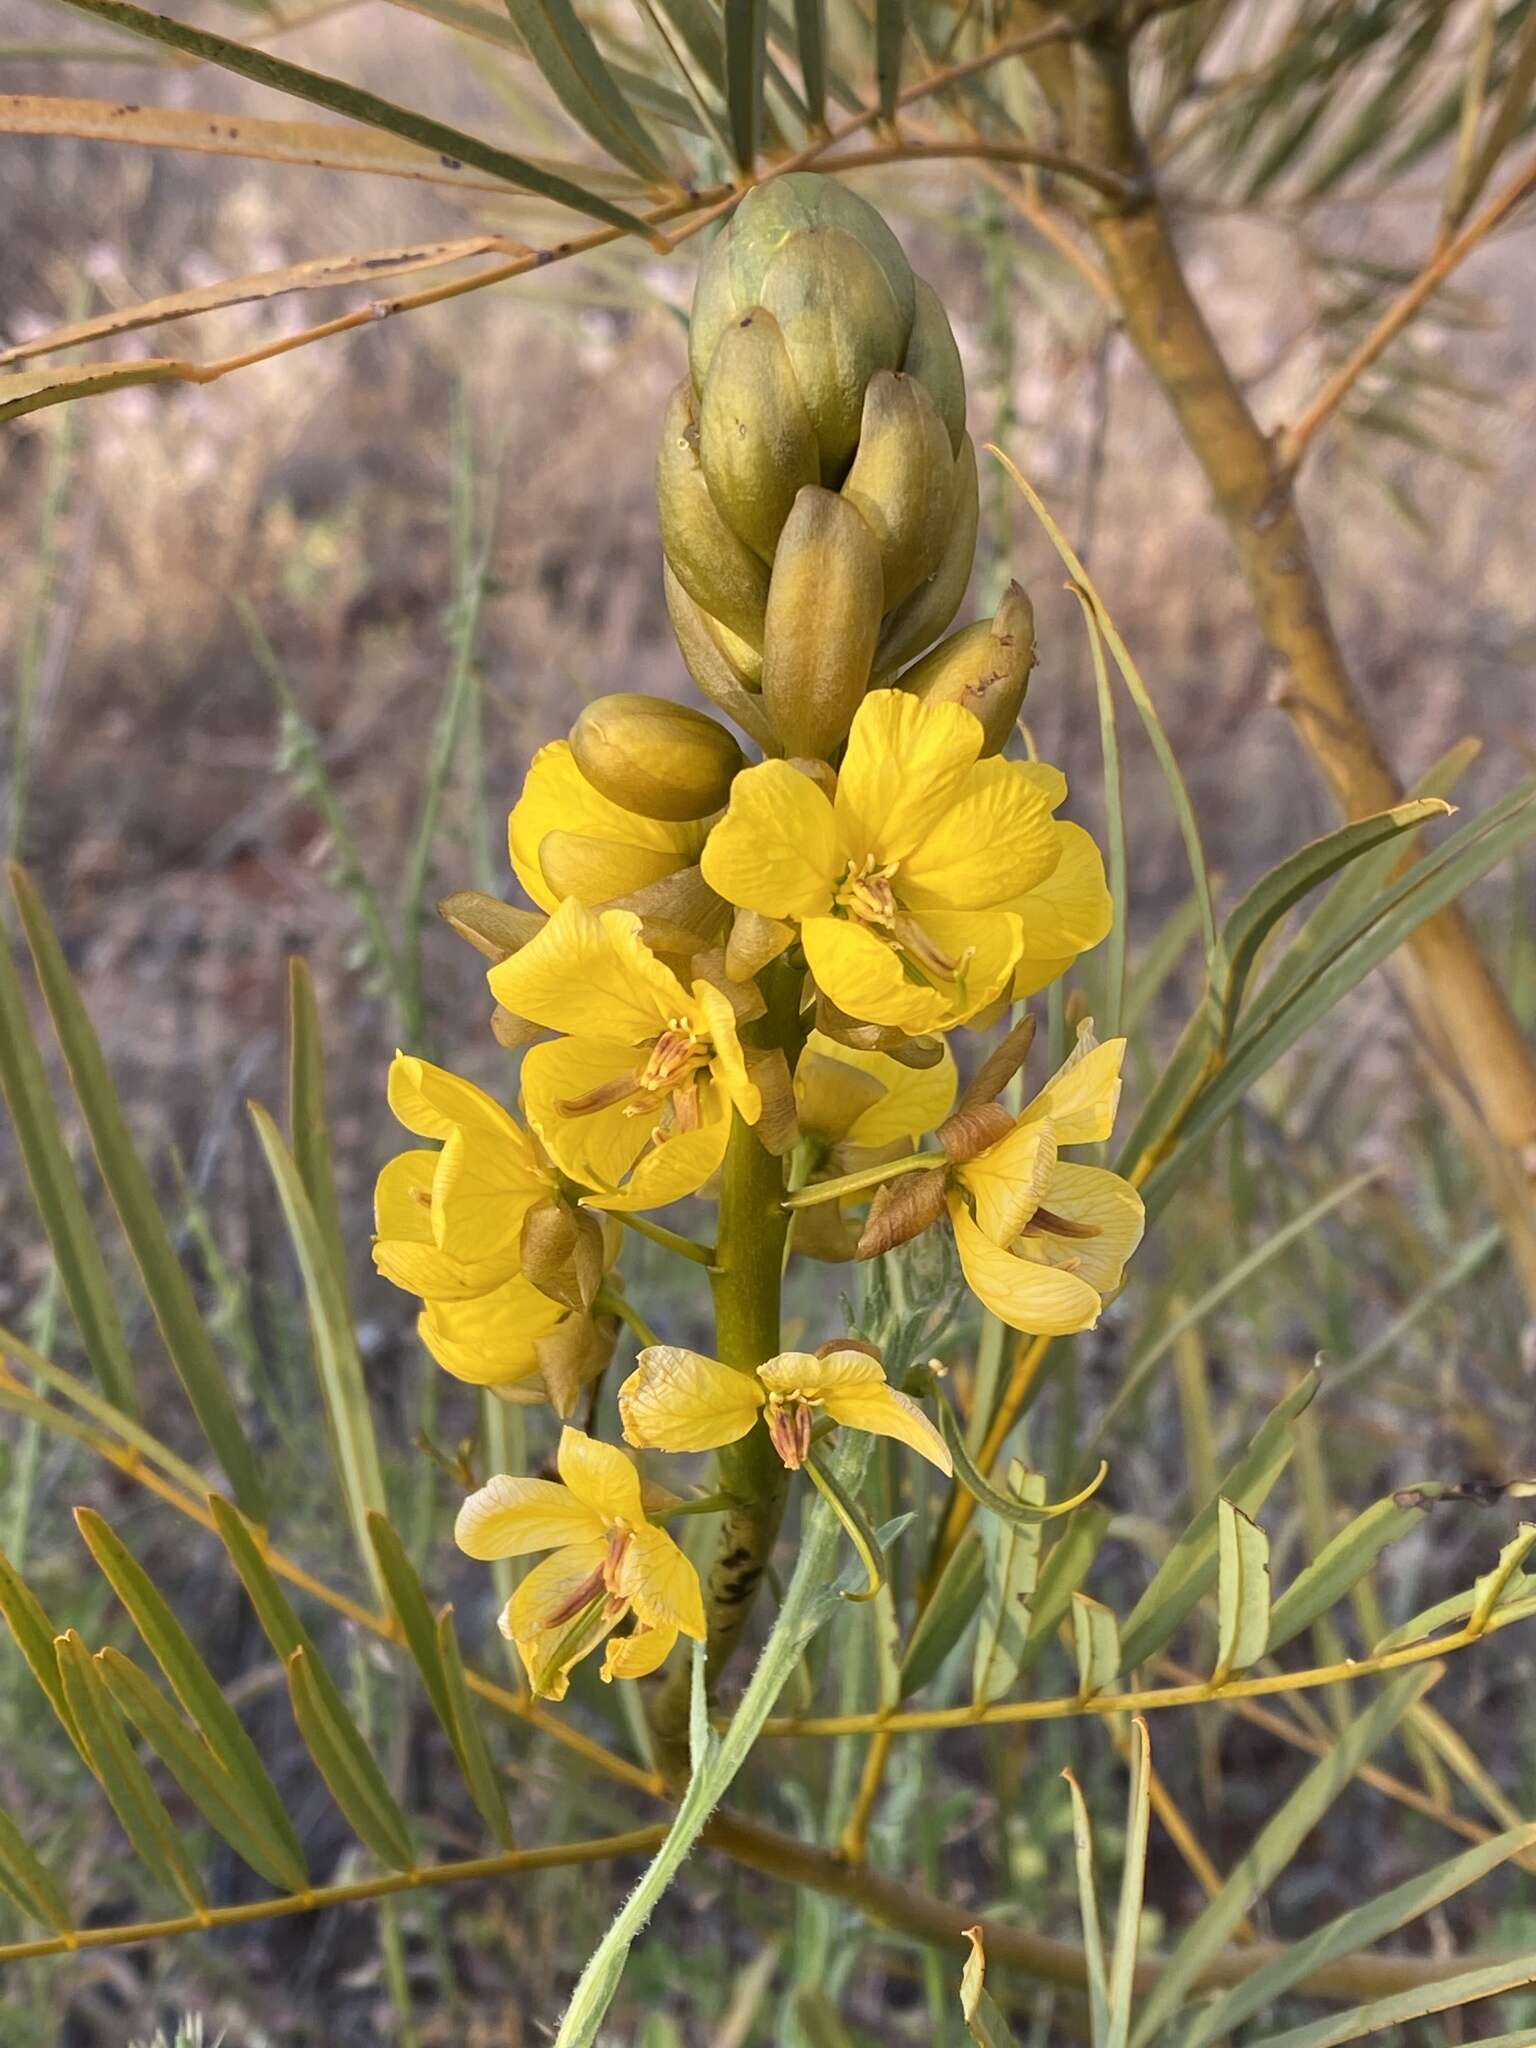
(817, 487)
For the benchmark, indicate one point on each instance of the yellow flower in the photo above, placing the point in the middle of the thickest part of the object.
(678, 1400)
(636, 1101)
(1071, 910)
(1042, 1241)
(861, 1101)
(566, 839)
(906, 887)
(608, 1561)
(449, 1223)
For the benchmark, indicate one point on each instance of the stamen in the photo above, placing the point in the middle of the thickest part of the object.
(619, 1089)
(1045, 1222)
(789, 1429)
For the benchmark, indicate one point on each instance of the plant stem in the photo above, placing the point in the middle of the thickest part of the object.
(866, 1177)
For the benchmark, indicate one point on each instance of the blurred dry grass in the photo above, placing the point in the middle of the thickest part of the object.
(182, 866)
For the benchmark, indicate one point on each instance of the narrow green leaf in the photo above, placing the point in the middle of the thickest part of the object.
(1277, 1843)
(1284, 886)
(746, 35)
(35, 1637)
(347, 1766)
(103, 1413)
(212, 1790)
(1088, 1912)
(1340, 1564)
(338, 1366)
(165, 1284)
(27, 1882)
(1511, 115)
(486, 1785)
(1065, 1568)
(572, 66)
(1455, 1608)
(1025, 1513)
(890, 38)
(1474, 89)
(193, 1683)
(1114, 828)
(1492, 1586)
(946, 1617)
(309, 1134)
(327, 1710)
(297, 82)
(810, 42)
(857, 1526)
(1012, 1553)
(984, 2021)
(1096, 1640)
(1354, 1931)
(1186, 1573)
(1133, 1878)
(1384, 2013)
(57, 1196)
(112, 1759)
(1242, 1592)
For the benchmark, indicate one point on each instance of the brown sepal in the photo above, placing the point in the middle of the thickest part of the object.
(778, 1128)
(969, 1131)
(903, 1209)
(999, 1066)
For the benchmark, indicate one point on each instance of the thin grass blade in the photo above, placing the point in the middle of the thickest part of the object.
(1133, 1879)
(27, 1881)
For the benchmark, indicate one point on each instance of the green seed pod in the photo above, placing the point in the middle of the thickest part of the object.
(650, 755)
(934, 360)
(757, 445)
(822, 622)
(922, 617)
(718, 571)
(840, 323)
(699, 638)
(985, 667)
(731, 275)
(903, 480)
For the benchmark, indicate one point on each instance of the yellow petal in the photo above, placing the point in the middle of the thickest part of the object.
(803, 1373)
(1009, 1179)
(404, 1250)
(548, 1588)
(884, 1412)
(676, 1166)
(660, 1583)
(678, 1400)
(904, 769)
(511, 1516)
(491, 1340)
(986, 943)
(915, 1099)
(599, 1147)
(777, 849)
(996, 842)
(638, 1654)
(715, 1020)
(1049, 781)
(557, 797)
(1040, 1300)
(433, 1103)
(863, 975)
(402, 1197)
(1082, 1097)
(591, 974)
(1063, 915)
(1089, 1195)
(601, 1478)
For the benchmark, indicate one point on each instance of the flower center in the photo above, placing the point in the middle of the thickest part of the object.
(868, 896)
(790, 1419)
(664, 1088)
(600, 1588)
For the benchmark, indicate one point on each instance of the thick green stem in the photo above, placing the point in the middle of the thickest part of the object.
(745, 1279)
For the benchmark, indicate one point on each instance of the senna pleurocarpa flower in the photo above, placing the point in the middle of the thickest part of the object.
(911, 886)
(678, 1400)
(1070, 911)
(1042, 1240)
(609, 1561)
(566, 838)
(450, 1222)
(635, 1100)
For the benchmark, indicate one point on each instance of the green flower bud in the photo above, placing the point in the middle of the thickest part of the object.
(731, 276)
(717, 570)
(934, 360)
(985, 667)
(757, 446)
(822, 622)
(921, 618)
(495, 929)
(650, 755)
(903, 481)
(840, 324)
(700, 639)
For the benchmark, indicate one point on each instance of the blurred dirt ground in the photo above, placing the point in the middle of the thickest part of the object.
(182, 864)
